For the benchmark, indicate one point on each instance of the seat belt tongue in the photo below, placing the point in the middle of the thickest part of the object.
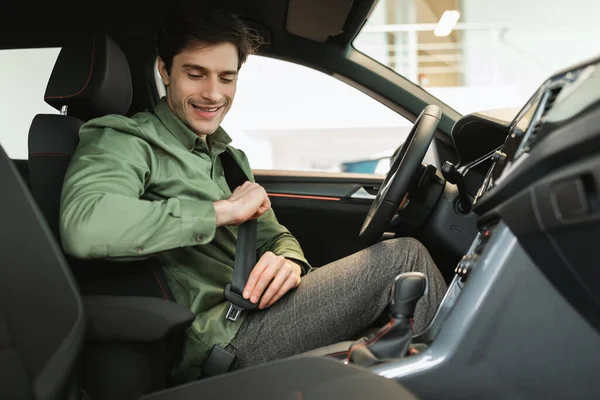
(233, 312)
(237, 303)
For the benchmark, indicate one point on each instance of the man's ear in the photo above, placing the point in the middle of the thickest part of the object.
(162, 70)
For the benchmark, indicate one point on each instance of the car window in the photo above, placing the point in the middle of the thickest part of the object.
(479, 55)
(289, 117)
(25, 74)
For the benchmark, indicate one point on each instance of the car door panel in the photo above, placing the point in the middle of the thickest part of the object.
(324, 211)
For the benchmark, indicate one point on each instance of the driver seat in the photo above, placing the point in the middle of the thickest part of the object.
(91, 78)
(44, 323)
(137, 331)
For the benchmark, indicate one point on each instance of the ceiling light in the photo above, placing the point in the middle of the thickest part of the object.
(447, 23)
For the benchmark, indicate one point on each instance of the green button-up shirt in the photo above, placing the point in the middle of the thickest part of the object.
(144, 186)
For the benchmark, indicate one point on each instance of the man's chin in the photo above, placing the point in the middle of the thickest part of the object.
(205, 129)
(208, 132)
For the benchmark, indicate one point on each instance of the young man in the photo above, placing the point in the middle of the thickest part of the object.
(153, 184)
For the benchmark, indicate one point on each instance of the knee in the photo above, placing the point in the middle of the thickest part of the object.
(408, 253)
(405, 245)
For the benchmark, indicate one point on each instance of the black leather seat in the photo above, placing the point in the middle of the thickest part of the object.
(139, 331)
(44, 326)
(91, 78)
(42, 321)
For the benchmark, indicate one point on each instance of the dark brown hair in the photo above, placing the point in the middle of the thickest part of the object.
(204, 22)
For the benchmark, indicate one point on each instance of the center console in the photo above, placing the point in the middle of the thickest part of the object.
(521, 318)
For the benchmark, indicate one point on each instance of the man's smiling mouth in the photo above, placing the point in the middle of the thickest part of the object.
(206, 109)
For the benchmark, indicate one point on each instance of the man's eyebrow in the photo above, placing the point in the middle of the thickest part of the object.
(204, 69)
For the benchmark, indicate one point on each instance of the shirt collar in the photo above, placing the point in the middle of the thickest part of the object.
(184, 134)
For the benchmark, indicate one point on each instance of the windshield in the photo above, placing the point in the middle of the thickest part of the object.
(478, 55)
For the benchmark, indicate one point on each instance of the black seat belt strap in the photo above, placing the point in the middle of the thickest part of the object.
(219, 359)
(245, 249)
(245, 259)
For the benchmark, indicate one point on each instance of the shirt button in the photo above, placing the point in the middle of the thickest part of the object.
(198, 238)
(190, 146)
(139, 250)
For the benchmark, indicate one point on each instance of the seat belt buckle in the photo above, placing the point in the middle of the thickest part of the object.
(237, 304)
(233, 312)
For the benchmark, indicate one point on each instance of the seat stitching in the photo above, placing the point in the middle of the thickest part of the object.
(50, 154)
(160, 284)
(381, 333)
(372, 340)
(89, 75)
(339, 353)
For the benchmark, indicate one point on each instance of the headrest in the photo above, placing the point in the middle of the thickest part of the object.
(91, 76)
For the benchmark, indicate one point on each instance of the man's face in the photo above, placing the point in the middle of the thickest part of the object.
(201, 85)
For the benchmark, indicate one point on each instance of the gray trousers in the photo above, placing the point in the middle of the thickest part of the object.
(337, 302)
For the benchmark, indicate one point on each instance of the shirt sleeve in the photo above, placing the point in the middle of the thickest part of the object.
(102, 213)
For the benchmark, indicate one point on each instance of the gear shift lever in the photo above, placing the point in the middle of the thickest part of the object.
(408, 288)
(393, 340)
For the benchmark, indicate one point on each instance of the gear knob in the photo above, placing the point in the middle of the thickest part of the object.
(408, 288)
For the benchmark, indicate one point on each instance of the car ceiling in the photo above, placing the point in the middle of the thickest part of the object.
(45, 26)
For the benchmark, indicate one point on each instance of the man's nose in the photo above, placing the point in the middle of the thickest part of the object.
(210, 91)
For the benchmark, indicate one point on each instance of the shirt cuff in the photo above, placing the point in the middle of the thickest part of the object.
(301, 261)
(198, 222)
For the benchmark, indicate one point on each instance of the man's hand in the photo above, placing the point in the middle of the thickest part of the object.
(248, 201)
(274, 273)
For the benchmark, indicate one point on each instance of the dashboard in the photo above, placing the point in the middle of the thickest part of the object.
(521, 317)
(543, 183)
(558, 105)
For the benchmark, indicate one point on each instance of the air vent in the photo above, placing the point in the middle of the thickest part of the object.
(554, 92)
(534, 131)
(547, 105)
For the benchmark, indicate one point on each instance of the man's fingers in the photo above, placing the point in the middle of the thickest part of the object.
(287, 285)
(261, 210)
(266, 204)
(270, 279)
(255, 274)
(250, 202)
(280, 278)
(259, 191)
(264, 281)
(290, 283)
(241, 188)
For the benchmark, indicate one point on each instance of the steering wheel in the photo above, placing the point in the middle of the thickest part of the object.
(403, 167)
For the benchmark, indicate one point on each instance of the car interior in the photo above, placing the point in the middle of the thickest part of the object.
(511, 218)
